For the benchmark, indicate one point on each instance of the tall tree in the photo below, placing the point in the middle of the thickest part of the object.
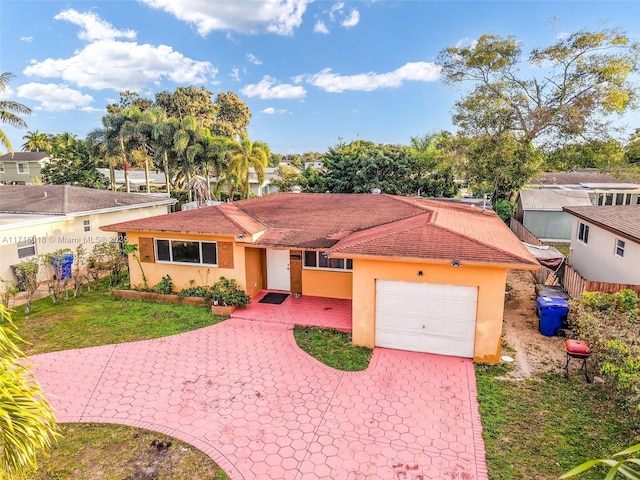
(244, 156)
(584, 78)
(36, 142)
(600, 154)
(27, 423)
(162, 130)
(189, 102)
(435, 159)
(232, 116)
(10, 111)
(129, 99)
(188, 149)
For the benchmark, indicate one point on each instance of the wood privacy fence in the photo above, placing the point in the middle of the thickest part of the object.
(523, 233)
(575, 284)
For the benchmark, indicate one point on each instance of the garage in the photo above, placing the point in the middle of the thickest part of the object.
(426, 317)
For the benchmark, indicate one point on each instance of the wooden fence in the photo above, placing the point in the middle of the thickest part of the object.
(523, 233)
(575, 284)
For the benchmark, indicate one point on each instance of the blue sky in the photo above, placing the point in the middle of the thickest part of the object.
(312, 72)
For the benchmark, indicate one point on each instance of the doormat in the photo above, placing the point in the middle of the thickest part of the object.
(274, 298)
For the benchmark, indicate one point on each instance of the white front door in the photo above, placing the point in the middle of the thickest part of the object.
(278, 277)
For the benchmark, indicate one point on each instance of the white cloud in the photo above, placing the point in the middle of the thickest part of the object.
(93, 27)
(107, 63)
(267, 89)
(122, 65)
(54, 97)
(26, 39)
(367, 82)
(320, 27)
(276, 16)
(273, 111)
(352, 20)
(335, 9)
(235, 74)
(253, 59)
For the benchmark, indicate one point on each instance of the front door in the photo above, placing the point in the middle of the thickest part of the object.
(278, 277)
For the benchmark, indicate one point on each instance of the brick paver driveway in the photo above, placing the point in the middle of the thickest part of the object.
(246, 395)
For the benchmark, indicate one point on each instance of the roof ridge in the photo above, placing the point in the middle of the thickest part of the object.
(233, 219)
(338, 246)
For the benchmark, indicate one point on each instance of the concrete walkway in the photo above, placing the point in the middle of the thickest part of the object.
(245, 394)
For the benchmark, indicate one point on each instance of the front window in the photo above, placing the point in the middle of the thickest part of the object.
(619, 198)
(23, 168)
(1, 167)
(318, 260)
(27, 248)
(608, 199)
(86, 225)
(185, 251)
(620, 248)
(583, 232)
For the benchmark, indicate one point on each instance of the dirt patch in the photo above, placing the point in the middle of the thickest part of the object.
(532, 352)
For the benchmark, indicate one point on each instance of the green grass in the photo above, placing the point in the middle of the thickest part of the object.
(333, 348)
(95, 318)
(542, 427)
(91, 451)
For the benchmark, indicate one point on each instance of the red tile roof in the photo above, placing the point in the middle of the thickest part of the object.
(355, 224)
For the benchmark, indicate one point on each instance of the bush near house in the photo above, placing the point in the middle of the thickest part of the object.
(609, 324)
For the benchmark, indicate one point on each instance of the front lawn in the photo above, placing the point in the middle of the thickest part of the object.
(333, 348)
(95, 318)
(542, 427)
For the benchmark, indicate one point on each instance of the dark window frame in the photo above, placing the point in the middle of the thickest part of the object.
(320, 262)
(583, 232)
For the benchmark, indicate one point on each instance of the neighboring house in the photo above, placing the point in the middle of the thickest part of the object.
(137, 181)
(605, 243)
(40, 219)
(22, 168)
(539, 205)
(540, 211)
(423, 275)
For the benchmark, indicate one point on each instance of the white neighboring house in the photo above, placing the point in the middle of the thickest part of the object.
(605, 243)
(40, 219)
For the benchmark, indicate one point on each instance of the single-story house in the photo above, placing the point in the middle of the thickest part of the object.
(539, 206)
(40, 219)
(422, 274)
(540, 211)
(22, 168)
(605, 243)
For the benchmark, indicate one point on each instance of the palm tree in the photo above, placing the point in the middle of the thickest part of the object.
(188, 148)
(245, 155)
(36, 142)
(118, 130)
(9, 111)
(215, 157)
(96, 147)
(162, 130)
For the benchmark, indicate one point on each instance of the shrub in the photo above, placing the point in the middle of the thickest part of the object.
(164, 286)
(608, 323)
(226, 292)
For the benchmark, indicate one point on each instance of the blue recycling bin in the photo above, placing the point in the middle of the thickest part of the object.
(551, 311)
(62, 265)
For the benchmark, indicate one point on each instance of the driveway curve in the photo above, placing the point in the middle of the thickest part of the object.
(246, 395)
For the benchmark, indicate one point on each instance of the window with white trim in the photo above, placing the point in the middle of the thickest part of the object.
(23, 168)
(583, 232)
(86, 224)
(27, 248)
(619, 247)
(186, 251)
(319, 261)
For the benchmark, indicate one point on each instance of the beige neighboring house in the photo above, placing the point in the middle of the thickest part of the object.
(22, 168)
(40, 219)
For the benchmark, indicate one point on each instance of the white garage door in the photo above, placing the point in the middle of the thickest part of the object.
(426, 317)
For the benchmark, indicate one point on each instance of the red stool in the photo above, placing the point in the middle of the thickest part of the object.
(580, 350)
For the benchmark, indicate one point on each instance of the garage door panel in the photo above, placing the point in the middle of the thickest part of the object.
(426, 317)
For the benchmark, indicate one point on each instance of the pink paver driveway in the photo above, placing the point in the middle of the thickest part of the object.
(246, 395)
